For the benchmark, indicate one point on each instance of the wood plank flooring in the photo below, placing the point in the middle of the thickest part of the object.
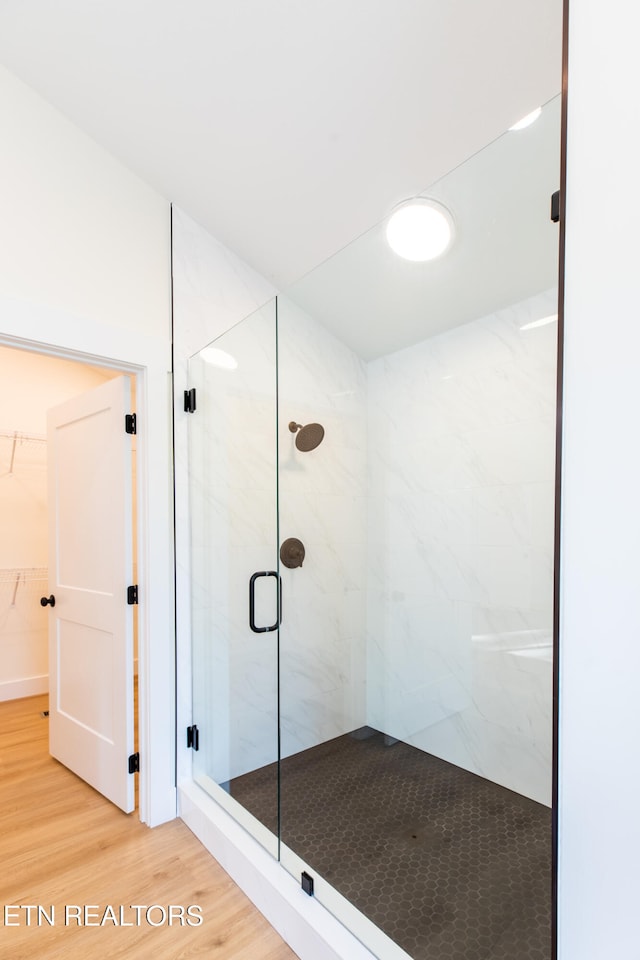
(63, 845)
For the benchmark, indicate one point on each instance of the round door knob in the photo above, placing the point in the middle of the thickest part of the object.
(48, 600)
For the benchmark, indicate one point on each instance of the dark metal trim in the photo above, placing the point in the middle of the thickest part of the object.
(252, 601)
(193, 737)
(562, 213)
(190, 400)
(277, 637)
(173, 499)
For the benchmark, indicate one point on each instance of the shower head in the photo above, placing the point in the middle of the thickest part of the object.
(309, 437)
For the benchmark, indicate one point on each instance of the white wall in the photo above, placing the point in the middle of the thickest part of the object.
(74, 220)
(461, 438)
(84, 269)
(600, 569)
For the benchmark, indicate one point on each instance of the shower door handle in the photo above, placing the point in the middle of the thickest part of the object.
(252, 601)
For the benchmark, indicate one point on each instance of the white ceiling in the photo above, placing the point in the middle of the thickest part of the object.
(287, 127)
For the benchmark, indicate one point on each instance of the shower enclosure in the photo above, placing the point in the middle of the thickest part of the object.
(372, 501)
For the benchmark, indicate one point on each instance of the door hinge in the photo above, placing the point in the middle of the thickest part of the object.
(190, 400)
(555, 206)
(132, 594)
(134, 763)
(130, 423)
(193, 737)
(306, 882)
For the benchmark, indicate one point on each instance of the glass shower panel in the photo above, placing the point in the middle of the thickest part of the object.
(416, 649)
(234, 568)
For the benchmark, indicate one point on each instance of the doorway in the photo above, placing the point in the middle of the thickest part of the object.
(31, 382)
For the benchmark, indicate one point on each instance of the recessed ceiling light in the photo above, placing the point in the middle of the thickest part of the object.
(219, 358)
(420, 229)
(528, 120)
(540, 323)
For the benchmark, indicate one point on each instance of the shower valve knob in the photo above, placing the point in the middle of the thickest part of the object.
(51, 601)
(292, 553)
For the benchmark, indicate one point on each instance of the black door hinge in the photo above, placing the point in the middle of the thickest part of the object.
(190, 400)
(306, 882)
(130, 423)
(134, 763)
(132, 594)
(193, 737)
(555, 206)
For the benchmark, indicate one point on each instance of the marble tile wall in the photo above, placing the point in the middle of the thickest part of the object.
(461, 480)
(322, 499)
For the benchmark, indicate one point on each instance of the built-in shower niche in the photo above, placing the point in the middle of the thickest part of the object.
(391, 732)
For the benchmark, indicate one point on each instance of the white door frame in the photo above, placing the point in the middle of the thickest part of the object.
(154, 527)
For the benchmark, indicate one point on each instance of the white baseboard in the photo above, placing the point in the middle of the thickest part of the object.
(28, 687)
(309, 929)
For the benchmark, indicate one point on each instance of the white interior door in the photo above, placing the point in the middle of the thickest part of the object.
(90, 568)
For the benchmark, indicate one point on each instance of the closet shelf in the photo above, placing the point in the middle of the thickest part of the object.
(25, 443)
(24, 574)
(21, 437)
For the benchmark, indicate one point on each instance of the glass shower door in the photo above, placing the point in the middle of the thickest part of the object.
(234, 567)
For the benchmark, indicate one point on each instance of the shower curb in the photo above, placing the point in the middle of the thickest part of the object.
(303, 923)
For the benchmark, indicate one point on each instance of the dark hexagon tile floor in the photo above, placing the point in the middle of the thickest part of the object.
(449, 865)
